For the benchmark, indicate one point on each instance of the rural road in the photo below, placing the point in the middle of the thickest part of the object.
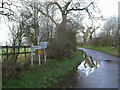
(105, 76)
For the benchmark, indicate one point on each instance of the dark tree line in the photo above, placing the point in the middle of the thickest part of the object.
(110, 33)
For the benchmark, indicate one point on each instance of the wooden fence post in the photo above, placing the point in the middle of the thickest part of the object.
(13, 50)
(25, 50)
(31, 55)
(2, 53)
(7, 51)
(44, 55)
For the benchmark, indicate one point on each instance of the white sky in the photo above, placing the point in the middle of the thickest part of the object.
(108, 8)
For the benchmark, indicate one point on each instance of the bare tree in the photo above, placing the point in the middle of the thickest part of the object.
(9, 64)
(92, 28)
(85, 33)
(111, 31)
(62, 37)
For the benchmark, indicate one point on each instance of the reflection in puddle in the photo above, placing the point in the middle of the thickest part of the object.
(87, 66)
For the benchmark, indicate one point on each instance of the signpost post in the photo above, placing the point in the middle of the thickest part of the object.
(38, 50)
(44, 55)
(31, 55)
(39, 53)
(44, 45)
(41, 45)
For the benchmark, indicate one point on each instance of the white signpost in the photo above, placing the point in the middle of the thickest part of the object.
(42, 45)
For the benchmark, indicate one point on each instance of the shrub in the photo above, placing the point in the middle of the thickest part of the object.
(64, 43)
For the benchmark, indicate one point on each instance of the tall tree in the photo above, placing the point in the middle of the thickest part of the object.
(62, 38)
(62, 33)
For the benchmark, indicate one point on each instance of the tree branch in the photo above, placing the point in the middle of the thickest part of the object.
(81, 9)
(56, 3)
(5, 3)
(48, 16)
(67, 4)
(77, 9)
(94, 29)
(5, 8)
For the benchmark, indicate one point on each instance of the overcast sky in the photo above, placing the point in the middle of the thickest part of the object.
(108, 8)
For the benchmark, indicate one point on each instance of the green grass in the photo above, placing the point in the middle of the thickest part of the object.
(46, 75)
(11, 50)
(108, 50)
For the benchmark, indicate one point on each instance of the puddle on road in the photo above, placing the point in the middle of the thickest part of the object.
(86, 67)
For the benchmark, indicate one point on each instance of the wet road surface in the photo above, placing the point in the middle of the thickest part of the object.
(99, 70)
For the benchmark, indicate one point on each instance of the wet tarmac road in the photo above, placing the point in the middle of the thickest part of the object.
(99, 55)
(104, 76)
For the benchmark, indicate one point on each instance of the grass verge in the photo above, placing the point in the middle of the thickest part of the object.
(108, 50)
(46, 75)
